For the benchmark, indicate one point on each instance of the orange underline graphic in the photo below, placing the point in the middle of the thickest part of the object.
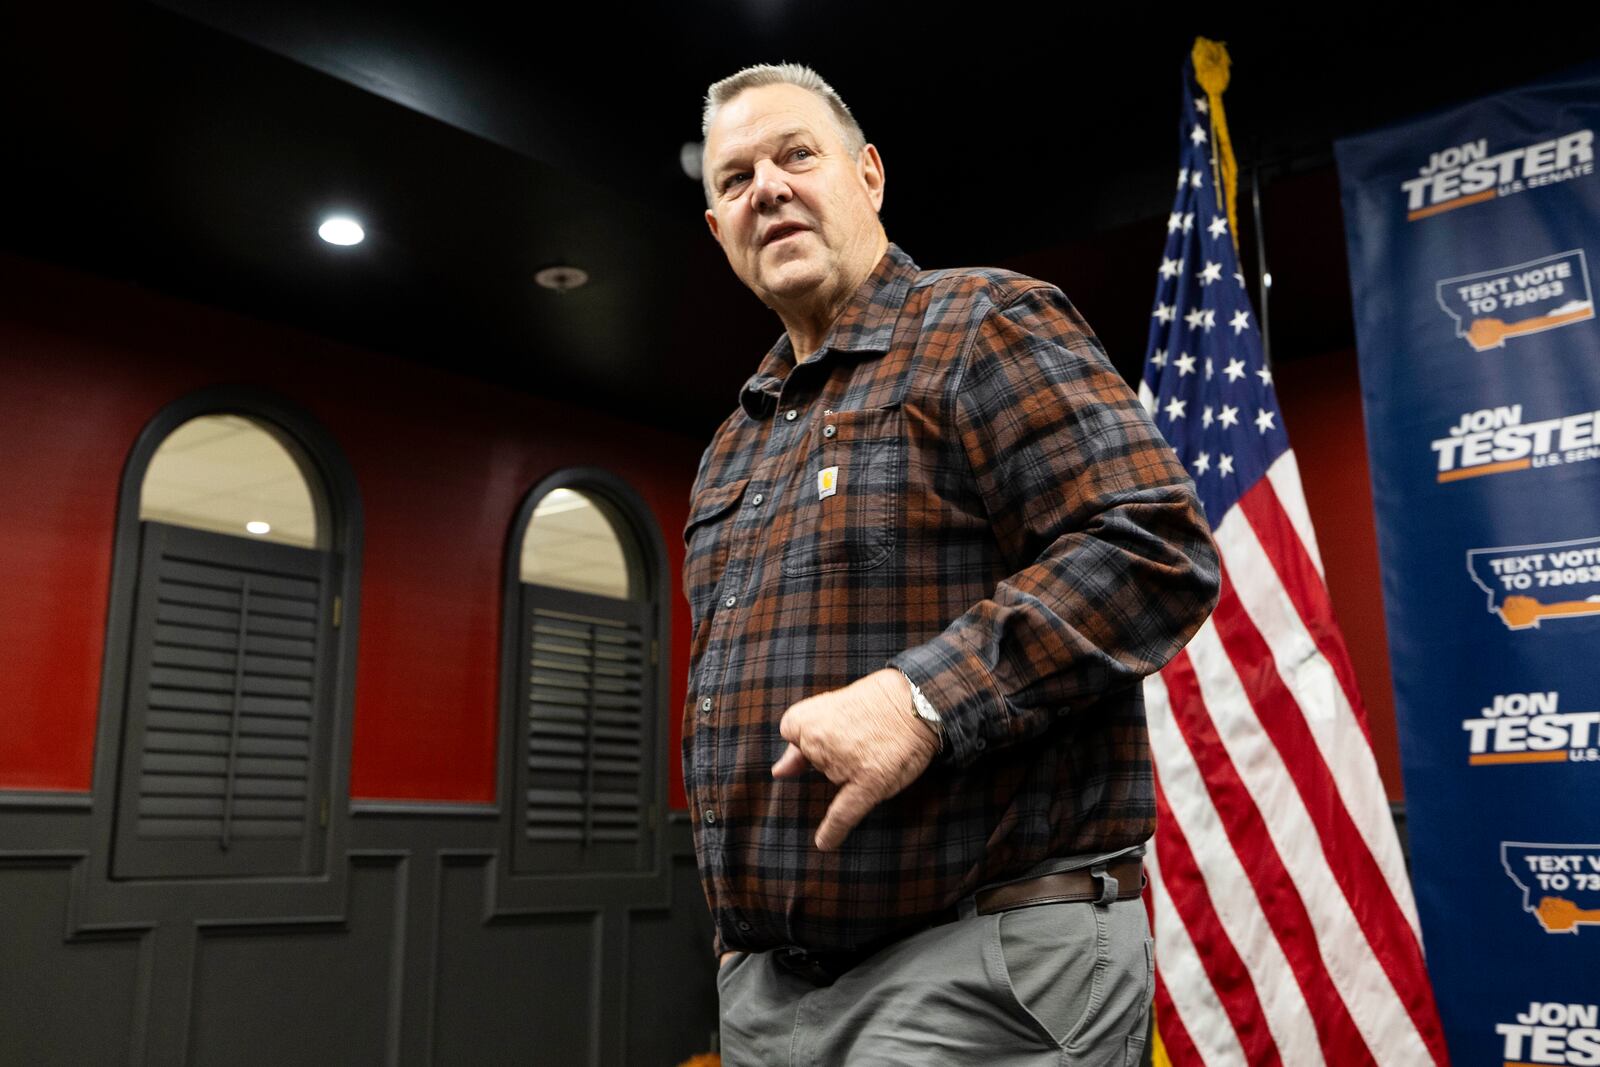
(1487, 468)
(1450, 205)
(1558, 756)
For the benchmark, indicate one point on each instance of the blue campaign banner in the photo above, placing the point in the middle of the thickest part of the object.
(1474, 234)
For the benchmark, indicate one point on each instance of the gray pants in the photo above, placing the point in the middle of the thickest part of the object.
(1051, 984)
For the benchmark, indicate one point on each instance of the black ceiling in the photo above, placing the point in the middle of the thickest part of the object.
(192, 147)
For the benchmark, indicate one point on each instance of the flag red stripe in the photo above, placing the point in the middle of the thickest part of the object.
(1298, 576)
(1276, 891)
(1387, 929)
(1174, 1037)
(1234, 987)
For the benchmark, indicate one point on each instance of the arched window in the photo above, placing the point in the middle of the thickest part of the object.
(227, 675)
(586, 656)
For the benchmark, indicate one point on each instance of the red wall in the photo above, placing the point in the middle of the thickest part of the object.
(443, 463)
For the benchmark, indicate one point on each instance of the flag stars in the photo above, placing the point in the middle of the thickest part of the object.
(1175, 222)
(1234, 370)
(1229, 416)
(1188, 221)
(1198, 134)
(1225, 464)
(1239, 278)
(1218, 227)
(1212, 273)
(1194, 318)
(1265, 375)
(1201, 105)
(1183, 176)
(1163, 312)
(1175, 408)
(1159, 359)
(1206, 418)
(1209, 368)
(1264, 420)
(1171, 268)
(1240, 321)
(1185, 364)
(1197, 179)
(1202, 462)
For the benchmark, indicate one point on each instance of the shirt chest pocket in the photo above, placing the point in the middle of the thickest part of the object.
(844, 496)
(708, 538)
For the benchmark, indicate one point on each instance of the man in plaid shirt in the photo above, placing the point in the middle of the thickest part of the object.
(930, 556)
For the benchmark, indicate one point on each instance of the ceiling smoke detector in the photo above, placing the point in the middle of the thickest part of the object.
(561, 278)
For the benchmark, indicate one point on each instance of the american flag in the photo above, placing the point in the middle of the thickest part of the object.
(1284, 923)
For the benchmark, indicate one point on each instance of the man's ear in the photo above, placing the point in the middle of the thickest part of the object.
(711, 221)
(869, 165)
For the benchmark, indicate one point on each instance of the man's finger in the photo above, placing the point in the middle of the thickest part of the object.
(849, 807)
(791, 764)
(789, 723)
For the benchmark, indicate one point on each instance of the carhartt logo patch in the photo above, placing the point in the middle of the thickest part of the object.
(827, 482)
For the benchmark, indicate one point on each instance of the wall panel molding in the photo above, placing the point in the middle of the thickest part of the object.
(610, 975)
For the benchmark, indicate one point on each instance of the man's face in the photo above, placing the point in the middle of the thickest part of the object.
(796, 216)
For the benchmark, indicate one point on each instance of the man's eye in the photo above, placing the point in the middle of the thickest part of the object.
(733, 180)
(800, 154)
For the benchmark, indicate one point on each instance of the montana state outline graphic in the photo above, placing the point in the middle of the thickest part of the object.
(1560, 884)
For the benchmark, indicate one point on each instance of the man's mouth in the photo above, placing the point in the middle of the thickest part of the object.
(778, 233)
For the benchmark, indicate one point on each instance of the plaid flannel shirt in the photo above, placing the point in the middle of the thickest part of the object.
(957, 484)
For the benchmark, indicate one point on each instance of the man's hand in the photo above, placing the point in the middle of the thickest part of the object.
(865, 738)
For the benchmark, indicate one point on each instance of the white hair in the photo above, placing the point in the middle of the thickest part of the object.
(796, 74)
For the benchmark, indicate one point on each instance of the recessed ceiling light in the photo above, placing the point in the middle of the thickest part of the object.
(341, 230)
(561, 277)
(258, 527)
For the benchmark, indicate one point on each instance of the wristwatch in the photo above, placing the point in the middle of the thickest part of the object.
(924, 709)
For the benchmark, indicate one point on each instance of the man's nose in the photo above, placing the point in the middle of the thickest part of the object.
(771, 185)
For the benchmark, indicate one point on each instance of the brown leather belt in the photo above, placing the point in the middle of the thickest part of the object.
(1067, 887)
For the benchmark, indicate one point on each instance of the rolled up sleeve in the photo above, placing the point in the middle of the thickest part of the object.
(1114, 564)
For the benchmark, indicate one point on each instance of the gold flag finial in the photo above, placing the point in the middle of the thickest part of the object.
(1211, 68)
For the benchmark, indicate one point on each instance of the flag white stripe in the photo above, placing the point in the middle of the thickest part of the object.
(1284, 474)
(1188, 986)
(1310, 678)
(1351, 965)
(1232, 895)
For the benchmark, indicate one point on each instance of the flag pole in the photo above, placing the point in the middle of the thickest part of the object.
(1263, 275)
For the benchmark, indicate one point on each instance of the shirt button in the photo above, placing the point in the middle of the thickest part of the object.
(710, 817)
(705, 705)
(757, 499)
(730, 602)
(744, 925)
(829, 431)
(980, 744)
(791, 414)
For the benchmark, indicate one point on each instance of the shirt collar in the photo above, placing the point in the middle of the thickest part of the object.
(865, 325)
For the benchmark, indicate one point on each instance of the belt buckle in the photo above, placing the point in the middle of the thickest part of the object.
(802, 963)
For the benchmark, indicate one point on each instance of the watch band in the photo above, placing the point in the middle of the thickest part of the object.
(924, 708)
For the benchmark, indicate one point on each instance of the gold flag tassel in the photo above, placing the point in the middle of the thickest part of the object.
(1211, 65)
